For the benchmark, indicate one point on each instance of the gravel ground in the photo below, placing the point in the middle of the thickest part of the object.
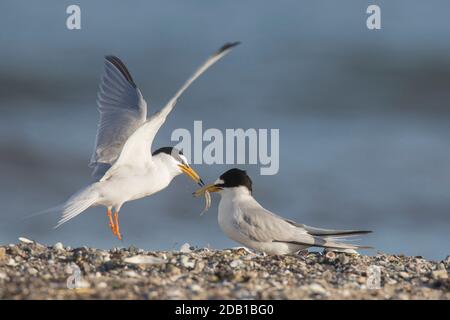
(29, 270)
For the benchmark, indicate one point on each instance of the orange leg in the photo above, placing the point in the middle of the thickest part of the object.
(117, 232)
(111, 222)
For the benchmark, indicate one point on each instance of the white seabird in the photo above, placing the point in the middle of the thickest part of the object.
(124, 168)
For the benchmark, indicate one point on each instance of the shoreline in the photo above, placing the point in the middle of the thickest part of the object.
(29, 270)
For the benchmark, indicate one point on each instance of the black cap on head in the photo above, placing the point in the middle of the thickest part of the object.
(171, 151)
(236, 178)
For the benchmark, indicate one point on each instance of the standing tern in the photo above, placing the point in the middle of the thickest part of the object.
(124, 168)
(245, 221)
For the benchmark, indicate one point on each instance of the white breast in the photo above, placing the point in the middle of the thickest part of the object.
(123, 187)
(229, 213)
(231, 204)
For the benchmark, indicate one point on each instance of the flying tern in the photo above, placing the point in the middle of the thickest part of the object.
(124, 169)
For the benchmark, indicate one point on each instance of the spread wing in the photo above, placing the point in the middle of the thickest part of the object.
(122, 110)
(136, 151)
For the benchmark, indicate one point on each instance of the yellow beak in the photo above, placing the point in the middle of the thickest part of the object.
(209, 188)
(191, 173)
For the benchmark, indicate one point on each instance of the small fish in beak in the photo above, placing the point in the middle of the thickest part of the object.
(206, 191)
(207, 188)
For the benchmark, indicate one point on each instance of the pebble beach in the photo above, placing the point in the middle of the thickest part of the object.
(29, 270)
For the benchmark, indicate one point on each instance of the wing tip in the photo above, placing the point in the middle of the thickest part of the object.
(228, 46)
(116, 62)
(363, 231)
(347, 233)
(366, 247)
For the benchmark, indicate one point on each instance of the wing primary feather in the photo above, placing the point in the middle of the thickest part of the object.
(138, 143)
(219, 54)
(122, 68)
(323, 243)
(339, 233)
(227, 46)
(327, 232)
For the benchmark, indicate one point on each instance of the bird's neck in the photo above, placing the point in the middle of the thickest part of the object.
(236, 193)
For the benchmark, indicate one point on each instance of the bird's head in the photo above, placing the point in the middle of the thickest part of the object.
(177, 163)
(231, 179)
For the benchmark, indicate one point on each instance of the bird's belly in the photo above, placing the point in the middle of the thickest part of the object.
(122, 189)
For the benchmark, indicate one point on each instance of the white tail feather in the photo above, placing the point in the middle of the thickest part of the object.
(57, 208)
(78, 203)
(329, 243)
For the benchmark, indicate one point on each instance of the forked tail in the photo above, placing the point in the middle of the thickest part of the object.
(78, 203)
(333, 243)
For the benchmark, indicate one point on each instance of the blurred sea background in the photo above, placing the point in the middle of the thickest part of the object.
(363, 115)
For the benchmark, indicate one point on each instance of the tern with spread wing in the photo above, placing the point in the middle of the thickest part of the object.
(124, 167)
(245, 221)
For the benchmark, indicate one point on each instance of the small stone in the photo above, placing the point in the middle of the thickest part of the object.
(235, 263)
(330, 255)
(86, 267)
(174, 270)
(344, 259)
(102, 285)
(242, 250)
(133, 250)
(403, 296)
(2, 254)
(32, 271)
(186, 262)
(440, 274)
(141, 259)
(346, 293)
(317, 289)
(404, 275)
(185, 248)
(68, 269)
(3, 276)
(391, 281)
(199, 266)
(362, 280)
(131, 274)
(11, 262)
(196, 288)
(58, 246)
(83, 284)
(25, 240)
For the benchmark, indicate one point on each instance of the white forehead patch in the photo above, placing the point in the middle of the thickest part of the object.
(219, 181)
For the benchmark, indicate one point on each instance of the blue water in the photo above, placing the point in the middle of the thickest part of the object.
(363, 116)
